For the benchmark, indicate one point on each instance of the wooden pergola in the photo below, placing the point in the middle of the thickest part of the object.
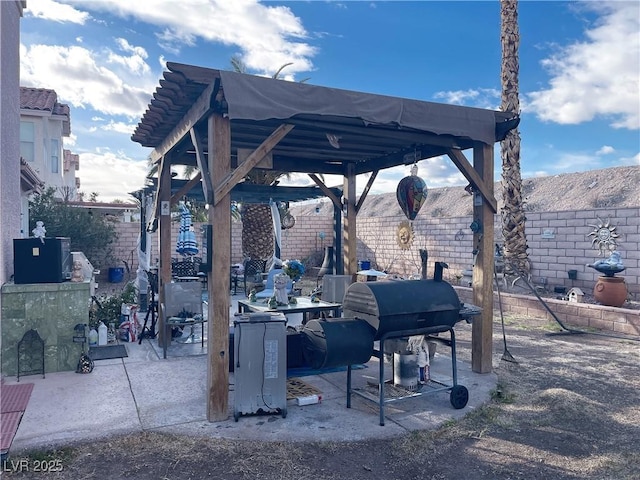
(228, 123)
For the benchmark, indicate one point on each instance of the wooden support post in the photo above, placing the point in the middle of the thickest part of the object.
(219, 280)
(164, 241)
(482, 329)
(337, 239)
(350, 256)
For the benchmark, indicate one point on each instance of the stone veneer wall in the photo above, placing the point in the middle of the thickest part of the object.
(53, 309)
(449, 239)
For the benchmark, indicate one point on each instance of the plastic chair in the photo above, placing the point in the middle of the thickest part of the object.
(269, 287)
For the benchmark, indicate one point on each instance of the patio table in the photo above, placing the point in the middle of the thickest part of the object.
(303, 305)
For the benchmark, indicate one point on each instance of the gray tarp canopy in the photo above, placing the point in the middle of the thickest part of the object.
(373, 131)
(257, 98)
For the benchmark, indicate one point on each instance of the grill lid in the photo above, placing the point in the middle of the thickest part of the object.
(391, 306)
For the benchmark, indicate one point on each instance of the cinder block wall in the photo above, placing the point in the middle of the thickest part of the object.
(558, 242)
(298, 242)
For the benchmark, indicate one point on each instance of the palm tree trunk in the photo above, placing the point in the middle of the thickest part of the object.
(513, 217)
(257, 231)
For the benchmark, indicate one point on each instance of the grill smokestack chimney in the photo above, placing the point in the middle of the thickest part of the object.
(437, 273)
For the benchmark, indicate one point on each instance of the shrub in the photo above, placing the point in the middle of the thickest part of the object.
(107, 308)
(91, 234)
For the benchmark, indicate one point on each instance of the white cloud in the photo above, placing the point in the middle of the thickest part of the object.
(574, 162)
(70, 141)
(605, 150)
(112, 175)
(120, 127)
(78, 77)
(597, 77)
(171, 43)
(631, 161)
(436, 172)
(135, 62)
(55, 11)
(480, 98)
(267, 36)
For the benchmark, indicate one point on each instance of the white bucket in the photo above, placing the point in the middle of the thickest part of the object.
(405, 370)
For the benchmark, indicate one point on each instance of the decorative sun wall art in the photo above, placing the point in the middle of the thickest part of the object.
(604, 237)
(404, 235)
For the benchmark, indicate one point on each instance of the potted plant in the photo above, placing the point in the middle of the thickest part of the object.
(107, 309)
(294, 269)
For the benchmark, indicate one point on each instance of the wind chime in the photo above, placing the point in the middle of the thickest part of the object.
(411, 194)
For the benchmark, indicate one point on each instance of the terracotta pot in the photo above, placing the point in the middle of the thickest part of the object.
(611, 291)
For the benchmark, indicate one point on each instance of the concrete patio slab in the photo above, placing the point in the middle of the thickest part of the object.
(144, 392)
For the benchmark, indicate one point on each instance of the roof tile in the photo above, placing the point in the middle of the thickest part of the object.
(42, 99)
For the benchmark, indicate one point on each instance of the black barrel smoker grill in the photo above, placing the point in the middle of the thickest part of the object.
(381, 311)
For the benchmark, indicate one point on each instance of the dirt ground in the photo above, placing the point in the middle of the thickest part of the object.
(569, 409)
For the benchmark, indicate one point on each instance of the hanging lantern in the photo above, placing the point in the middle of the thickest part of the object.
(411, 193)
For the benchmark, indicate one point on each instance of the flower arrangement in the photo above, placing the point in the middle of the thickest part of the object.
(294, 269)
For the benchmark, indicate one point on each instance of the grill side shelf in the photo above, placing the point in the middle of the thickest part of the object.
(468, 311)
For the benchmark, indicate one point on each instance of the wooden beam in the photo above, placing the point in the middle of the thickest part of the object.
(241, 171)
(484, 185)
(482, 329)
(203, 165)
(219, 279)
(398, 158)
(365, 192)
(186, 188)
(197, 111)
(350, 257)
(407, 135)
(300, 164)
(327, 191)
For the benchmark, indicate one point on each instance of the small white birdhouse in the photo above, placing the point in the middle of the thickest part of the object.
(575, 295)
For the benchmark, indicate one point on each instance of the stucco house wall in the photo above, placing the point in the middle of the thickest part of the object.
(51, 124)
(10, 14)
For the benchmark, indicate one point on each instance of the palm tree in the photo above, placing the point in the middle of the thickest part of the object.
(257, 226)
(513, 218)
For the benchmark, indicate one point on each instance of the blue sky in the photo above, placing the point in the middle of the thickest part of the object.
(579, 70)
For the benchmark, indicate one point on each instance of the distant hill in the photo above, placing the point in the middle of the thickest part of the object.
(605, 188)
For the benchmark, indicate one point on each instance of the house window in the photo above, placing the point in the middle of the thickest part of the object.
(55, 156)
(27, 141)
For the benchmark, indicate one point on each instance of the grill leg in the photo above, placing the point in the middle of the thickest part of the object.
(454, 366)
(381, 382)
(348, 386)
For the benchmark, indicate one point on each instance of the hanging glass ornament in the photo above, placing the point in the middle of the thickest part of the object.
(411, 193)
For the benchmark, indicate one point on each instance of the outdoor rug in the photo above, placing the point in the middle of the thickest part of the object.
(106, 352)
(15, 397)
(306, 371)
(13, 402)
(8, 429)
(297, 388)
